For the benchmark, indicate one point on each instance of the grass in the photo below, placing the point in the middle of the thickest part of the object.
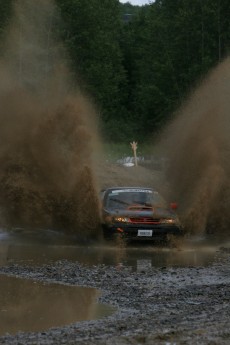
(115, 151)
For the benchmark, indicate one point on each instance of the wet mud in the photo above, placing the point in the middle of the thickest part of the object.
(157, 305)
(197, 145)
(25, 248)
(48, 130)
(29, 306)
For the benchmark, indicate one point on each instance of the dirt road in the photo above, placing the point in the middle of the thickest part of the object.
(156, 306)
(109, 175)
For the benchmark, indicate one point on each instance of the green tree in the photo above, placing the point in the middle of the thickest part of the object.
(170, 46)
(92, 32)
(5, 15)
(151, 74)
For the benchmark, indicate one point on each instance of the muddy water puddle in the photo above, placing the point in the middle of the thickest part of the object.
(144, 257)
(45, 247)
(27, 305)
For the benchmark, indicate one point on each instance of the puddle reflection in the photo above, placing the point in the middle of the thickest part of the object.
(44, 247)
(147, 258)
(137, 258)
(31, 306)
(27, 305)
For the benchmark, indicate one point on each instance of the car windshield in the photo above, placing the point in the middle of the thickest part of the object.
(126, 198)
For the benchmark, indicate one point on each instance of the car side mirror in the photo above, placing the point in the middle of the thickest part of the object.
(173, 205)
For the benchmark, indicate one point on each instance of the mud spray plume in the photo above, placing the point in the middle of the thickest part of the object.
(197, 144)
(46, 176)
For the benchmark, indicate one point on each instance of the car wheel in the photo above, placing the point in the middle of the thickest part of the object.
(174, 241)
(119, 240)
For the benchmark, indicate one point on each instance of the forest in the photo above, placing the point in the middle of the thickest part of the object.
(139, 63)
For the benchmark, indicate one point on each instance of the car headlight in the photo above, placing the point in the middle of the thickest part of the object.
(121, 219)
(170, 221)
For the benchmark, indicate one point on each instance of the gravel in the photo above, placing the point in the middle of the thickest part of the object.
(155, 306)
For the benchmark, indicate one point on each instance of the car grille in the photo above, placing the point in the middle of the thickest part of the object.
(144, 220)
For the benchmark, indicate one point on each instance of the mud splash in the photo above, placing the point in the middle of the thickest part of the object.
(46, 134)
(197, 144)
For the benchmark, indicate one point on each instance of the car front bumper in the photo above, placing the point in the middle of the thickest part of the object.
(134, 232)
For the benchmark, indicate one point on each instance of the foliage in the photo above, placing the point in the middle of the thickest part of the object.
(114, 151)
(139, 70)
(5, 14)
(91, 32)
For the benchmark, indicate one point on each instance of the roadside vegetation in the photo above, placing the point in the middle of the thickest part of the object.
(115, 151)
(138, 64)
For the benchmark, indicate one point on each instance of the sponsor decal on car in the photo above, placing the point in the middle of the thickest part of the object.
(132, 190)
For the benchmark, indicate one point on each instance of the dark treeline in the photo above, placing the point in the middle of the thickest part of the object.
(139, 63)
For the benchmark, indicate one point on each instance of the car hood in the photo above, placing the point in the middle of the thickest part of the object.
(155, 212)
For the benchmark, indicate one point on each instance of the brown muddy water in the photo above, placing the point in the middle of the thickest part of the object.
(48, 132)
(24, 247)
(197, 145)
(28, 305)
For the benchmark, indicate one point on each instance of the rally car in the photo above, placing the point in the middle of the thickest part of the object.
(136, 213)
